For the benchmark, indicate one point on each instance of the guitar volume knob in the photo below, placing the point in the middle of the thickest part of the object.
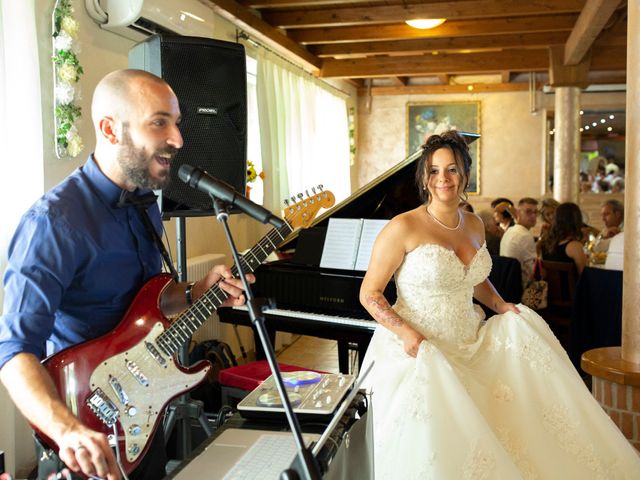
(131, 410)
(135, 430)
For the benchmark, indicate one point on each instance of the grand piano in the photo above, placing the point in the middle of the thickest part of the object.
(324, 302)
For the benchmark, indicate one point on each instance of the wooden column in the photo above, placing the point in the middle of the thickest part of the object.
(566, 144)
(631, 286)
(616, 370)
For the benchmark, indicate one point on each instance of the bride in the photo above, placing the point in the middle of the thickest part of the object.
(454, 397)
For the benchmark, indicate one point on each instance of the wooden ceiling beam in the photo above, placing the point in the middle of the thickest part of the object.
(592, 19)
(513, 60)
(297, 3)
(484, 62)
(367, 14)
(506, 76)
(245, 19)
(399, 81)
(427, 45)
(458, 28)
(444, 78)
(439, 89)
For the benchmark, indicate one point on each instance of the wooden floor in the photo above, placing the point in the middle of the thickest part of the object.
(310, 352)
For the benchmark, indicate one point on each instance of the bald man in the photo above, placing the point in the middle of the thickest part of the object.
(77, 260)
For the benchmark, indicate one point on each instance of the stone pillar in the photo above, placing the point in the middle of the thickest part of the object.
(616, 370)
(566, 144)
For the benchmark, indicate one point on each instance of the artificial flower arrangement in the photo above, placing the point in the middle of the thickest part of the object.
(67, 72)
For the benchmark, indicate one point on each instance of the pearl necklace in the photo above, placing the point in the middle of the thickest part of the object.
(442, 224)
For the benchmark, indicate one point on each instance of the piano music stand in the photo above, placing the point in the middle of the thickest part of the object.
(306, 466)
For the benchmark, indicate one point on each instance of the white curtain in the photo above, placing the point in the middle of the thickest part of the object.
(303, 132)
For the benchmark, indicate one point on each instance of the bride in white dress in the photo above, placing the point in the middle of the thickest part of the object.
(455, 397)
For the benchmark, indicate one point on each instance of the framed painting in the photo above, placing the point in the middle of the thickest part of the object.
(424, 119)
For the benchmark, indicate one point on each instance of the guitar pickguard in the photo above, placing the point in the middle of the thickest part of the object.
(137, 383)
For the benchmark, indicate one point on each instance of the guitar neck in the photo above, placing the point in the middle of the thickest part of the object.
(192, 318)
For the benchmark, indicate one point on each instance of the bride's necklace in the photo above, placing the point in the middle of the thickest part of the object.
(442, 224)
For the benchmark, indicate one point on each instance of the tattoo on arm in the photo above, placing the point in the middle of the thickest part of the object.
(382, 311)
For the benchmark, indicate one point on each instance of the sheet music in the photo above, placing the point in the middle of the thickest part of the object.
(349, 242)
(370, 231)
(341, 243)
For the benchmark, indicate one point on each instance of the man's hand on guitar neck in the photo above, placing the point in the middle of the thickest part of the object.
(34, 393)
(174, 299)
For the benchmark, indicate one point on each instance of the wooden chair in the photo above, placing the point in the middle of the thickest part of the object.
(561, 278)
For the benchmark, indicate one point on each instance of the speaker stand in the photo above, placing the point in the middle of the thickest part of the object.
(184, 409)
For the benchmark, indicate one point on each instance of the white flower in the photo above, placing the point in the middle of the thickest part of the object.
(502, 392)
(64, 93)
(63, 41)
(70, 26)
(75, 146)
(67, 73)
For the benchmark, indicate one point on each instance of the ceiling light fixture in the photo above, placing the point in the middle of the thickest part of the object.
(425, 23)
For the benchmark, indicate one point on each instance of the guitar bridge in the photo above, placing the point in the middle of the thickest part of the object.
(103, 407)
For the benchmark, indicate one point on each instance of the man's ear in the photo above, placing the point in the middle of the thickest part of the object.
(109, 129)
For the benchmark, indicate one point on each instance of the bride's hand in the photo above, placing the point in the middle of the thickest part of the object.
(411, 341)
(508, 307)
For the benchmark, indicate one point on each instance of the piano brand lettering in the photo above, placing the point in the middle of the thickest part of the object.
(207, 111)
(332, 299)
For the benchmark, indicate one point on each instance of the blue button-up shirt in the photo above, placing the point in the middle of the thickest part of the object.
(75, 264)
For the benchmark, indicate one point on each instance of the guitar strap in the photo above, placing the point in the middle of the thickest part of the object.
(141, 203)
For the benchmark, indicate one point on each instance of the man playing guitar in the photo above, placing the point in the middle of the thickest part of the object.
(76, 262)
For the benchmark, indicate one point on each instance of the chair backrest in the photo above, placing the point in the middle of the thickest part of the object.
(561, 278)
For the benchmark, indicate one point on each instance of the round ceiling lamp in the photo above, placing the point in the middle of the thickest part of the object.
(425, 23)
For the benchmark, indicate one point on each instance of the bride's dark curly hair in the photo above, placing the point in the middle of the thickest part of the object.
(458, 146)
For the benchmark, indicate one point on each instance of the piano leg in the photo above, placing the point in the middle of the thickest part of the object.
(343, 353)
(256, 340)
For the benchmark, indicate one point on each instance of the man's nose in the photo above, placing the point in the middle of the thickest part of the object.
(175, 139)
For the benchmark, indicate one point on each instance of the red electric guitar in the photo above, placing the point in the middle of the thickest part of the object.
(120, 383)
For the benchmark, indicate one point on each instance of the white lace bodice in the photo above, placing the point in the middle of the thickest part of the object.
(435, 292)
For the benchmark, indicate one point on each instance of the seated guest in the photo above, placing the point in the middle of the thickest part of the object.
(564, 240)
(615, 254)
(612, 212)
(492, 232)
(518, 242)
(504, 214)
(547, 211)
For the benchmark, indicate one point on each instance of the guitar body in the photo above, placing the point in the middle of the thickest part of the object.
(124, 378)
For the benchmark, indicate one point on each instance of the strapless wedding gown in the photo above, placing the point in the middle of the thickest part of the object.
(482, 400)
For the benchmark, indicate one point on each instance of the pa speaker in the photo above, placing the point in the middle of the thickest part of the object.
(209, 78)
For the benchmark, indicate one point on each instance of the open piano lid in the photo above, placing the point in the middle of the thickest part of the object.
(386, 196)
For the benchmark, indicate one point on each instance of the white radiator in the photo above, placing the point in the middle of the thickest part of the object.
(198, 267)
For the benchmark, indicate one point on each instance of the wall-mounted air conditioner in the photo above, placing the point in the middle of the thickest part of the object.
(137, 19)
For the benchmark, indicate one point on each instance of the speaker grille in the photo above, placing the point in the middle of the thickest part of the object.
(209, 79)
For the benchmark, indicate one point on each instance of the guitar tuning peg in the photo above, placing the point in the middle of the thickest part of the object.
(293, 199)
(313, 189)
(320, 187)
(307, 192)
(286, 202)
(300, 196)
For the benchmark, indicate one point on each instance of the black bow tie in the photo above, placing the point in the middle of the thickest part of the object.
(130, 199)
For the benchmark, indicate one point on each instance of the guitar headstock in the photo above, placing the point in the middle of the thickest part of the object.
(302, 212)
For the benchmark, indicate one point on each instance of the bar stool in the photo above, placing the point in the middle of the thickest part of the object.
(238, 382)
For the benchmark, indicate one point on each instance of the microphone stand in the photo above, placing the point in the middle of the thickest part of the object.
(309, 468)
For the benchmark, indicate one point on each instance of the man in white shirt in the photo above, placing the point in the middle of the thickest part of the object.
(615, 254)
(612, 212)
(518, 242)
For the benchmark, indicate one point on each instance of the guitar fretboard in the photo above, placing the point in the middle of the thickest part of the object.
(191, 319)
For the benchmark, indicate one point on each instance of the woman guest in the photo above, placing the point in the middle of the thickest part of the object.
(563, 242)
(454, 397)
(504, 214)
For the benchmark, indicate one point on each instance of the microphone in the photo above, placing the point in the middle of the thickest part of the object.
(201, 180)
